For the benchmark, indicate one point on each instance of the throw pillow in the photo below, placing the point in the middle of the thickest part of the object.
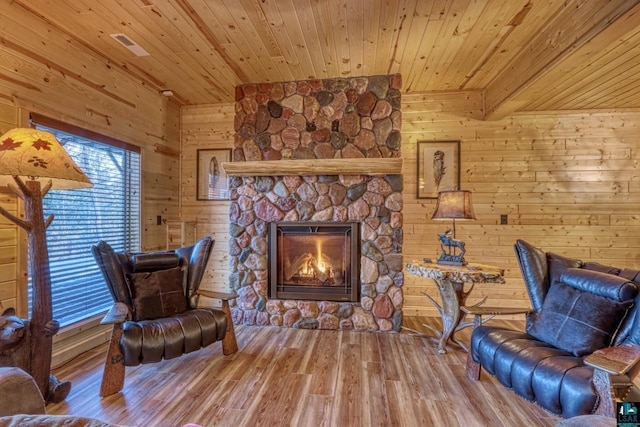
(576, 321)
(157, 294)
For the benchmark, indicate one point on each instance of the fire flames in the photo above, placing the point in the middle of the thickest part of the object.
(312, 266)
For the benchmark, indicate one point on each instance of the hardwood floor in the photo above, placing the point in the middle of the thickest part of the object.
(292, 377)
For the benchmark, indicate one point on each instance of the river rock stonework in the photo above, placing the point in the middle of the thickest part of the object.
(318, 119)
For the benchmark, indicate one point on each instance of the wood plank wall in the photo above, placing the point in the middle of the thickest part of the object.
(12, 254)
(207, 126)
(160, 189)
(42, 71)
(567, 181)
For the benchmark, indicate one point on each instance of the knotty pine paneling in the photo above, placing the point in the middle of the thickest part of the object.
(46, 73)
(524, 55)
(568, 183)
(10, 268)
(205, 127)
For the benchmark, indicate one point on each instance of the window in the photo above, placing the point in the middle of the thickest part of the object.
(109, 211)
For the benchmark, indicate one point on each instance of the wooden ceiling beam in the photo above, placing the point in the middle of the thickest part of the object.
(576, 23)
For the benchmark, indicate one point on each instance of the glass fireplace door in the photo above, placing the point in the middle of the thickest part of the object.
(314, 261)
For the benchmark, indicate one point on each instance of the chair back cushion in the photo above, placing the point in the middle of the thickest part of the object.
(153, 261)
(558, 264)
(533, 266)
(196, 257)
(583, 311)
(111, 266)
(539, 270)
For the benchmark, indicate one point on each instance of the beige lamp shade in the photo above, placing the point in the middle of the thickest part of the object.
(33, 154)
(454, 204)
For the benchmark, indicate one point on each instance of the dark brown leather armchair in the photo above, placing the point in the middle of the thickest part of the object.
(156, 314)
(581, 348)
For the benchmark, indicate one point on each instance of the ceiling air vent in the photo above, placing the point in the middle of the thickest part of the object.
(134, 47)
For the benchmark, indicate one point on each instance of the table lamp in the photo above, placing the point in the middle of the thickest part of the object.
(32, 162)
(454, 205)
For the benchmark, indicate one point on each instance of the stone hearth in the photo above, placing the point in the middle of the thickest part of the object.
(335, 118)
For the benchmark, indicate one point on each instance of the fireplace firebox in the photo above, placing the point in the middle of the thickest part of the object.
(314, 261)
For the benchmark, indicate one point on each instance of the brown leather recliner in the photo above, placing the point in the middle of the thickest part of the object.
(156, 314)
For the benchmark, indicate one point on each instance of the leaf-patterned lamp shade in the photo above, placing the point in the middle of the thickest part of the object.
(37, 155)
(454, 205)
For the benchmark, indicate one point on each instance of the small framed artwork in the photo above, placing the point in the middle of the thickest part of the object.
(211, 180)
(438, 167)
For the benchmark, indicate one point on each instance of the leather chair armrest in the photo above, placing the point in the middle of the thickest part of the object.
(614, 371)
(224, 296)
(119, 313)
(615, 360)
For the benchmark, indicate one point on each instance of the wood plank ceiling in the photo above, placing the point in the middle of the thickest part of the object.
(524, 55)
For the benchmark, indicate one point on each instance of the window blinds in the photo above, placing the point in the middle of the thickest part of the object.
(109, 211)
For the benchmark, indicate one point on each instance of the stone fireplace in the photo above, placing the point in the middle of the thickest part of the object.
(356, 123)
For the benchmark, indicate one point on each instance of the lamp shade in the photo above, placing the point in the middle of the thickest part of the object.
(454, 205)
(33, 154)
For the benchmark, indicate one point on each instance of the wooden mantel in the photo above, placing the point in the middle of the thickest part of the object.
(354, 166)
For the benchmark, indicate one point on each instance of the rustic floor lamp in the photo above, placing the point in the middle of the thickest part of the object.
(455, 204)
(27, 158)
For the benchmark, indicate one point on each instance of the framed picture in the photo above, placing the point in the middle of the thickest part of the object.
(438, 167)
(211, 180)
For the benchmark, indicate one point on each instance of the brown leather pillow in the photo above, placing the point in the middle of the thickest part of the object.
(157, 294)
